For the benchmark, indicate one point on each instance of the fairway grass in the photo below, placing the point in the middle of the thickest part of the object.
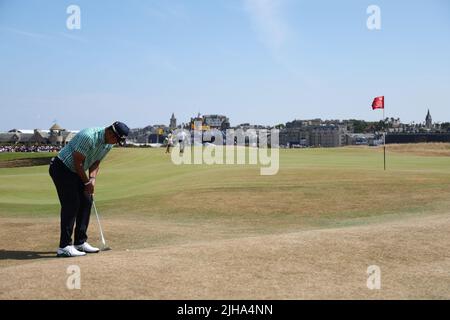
(311, 183)
(6, 156)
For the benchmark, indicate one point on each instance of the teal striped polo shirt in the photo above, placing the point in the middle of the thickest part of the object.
(90, 143)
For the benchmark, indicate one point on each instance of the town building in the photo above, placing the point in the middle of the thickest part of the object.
(210, 121)
(313, 133)
(54, 136)
(327, 136)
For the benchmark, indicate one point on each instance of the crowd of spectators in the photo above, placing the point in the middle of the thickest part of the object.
(25, 148)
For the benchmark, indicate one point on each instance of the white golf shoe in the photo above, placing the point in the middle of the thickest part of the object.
(87, 248)
(69, 251)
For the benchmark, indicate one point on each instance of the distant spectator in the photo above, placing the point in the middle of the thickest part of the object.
(169, 142)
(182, 140)
(25, 148)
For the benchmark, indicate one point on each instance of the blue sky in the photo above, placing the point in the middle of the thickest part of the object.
(257, 61)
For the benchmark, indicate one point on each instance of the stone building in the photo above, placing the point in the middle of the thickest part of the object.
(326, 136)
(59, 136)
(294, 137)
(54, 136)
(210, 121)
(300, 133)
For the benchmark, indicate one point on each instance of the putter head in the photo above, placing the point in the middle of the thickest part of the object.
(105, 249)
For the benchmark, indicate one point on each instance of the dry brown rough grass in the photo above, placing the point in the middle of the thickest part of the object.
(326, 264)
(422, 149)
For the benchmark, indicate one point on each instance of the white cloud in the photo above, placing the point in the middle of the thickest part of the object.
(28, 34)
(267, 19)
(41, 36)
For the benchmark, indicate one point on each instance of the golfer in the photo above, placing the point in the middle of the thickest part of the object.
(182, 140)
(75, 188)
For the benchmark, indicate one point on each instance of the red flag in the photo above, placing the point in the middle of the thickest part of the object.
(378, 103)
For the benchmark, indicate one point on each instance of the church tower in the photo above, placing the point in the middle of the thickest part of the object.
(428, 120)
(173, 122)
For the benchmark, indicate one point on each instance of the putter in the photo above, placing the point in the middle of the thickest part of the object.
(105, 247)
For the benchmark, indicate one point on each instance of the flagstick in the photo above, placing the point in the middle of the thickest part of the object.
(384, 140)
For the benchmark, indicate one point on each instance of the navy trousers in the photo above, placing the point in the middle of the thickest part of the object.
(75, 203)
